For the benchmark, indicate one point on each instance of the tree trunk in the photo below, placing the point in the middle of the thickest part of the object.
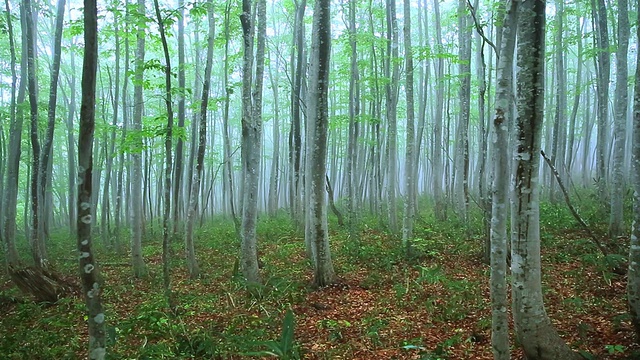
(603, 74)
(168, 147)
(89, 276)
(251, 135)
(179, 158)
(410, 159)
(139, 268)
(392, 72)
(534, 329)
(633, 284)
(620, 121)
(439, 207)
(45, 161)
(15, 140)
(192, 263)
(499, 209)
(316, 233)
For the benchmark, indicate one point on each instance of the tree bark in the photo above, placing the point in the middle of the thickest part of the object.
(620, 121)
(534, 329)
(500, 190)
(139, 268)
(633, 283)
(15, 140)
(410, 159)
(91, 285)
(316, 233)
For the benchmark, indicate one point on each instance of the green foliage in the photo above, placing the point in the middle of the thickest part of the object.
(285, 347)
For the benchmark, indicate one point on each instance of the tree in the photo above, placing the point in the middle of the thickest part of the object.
(620, 120)
(251, 135)
(38, 250)
(192, 263)
(139, 268)
(410, 159)
(15, 140)
(440, 204)
(603, 74)
(534, 329)
(633, 284)
(499, 210)
(91, 286)
(168, 147)
(316, 229)
(392, 72)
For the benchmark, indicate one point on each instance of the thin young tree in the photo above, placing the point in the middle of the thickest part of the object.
(38, 251)
(410, 159)
(168, 158)
(91, 286)
(620, 121)
(603, 73)
(139, 268)
(534, 329)
(500, 198)
(15, 140)
(316, 229)
(392, 73)
(192, 263)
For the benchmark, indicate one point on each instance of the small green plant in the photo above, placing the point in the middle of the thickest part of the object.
(614, 349)
(335, 328)
(285, 347)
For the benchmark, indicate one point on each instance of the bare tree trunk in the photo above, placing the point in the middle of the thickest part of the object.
(192, 263)
(89, 276)
(534, 329)
(178, 169)
(168, 158)
(603, 74)
(410, 159)
(440, 204)
(317, 234)
(633, 284)
(45, 166)
(500, 198)
(37, 246)
(15, 140)
(392, 72)
(251, 134)
(620, 121)
(139, 268)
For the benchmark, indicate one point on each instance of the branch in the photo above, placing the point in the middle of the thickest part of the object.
(479, 28)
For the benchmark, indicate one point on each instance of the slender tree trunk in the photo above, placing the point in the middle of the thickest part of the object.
(620, 121)
(192, 264)
(603, 75)
(534, 329)
(227, 170)
(295, 139)
(139, 268)
(168, 158)
(576, 103)
(45, 168)
(440, 204)
(92, 288)
(501, 120)
(392, 72)
(37, 249)
(633, 284)
(316, 155)
(410, 159)
(178, 169)
(274, 178)
(15, 139)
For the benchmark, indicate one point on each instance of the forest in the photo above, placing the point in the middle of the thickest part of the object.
(346, 179)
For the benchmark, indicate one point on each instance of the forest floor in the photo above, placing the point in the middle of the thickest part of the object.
(381, 307)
